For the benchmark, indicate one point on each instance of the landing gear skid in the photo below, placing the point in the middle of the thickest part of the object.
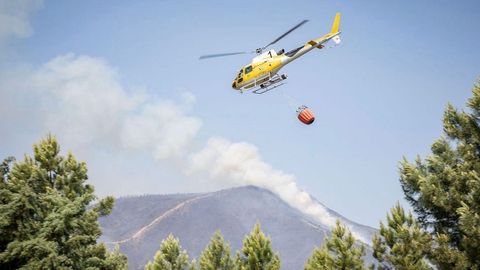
(273, 82)
(265, 89)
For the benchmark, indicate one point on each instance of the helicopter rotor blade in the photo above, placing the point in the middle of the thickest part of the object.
(257, 51)
(222, 54)
(286, 33)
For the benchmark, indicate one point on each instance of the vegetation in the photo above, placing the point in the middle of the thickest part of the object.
(216, 255)
(170, 256)
(339, 252)
(444, 189)
(401, 244)
(45, 222)
(257, 252)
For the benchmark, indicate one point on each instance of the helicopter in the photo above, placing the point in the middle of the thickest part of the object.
(261, 75)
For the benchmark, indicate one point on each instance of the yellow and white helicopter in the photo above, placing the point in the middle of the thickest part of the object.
(261, 75)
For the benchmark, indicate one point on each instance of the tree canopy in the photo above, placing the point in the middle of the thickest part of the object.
(401, 243)
(216, 256)
(257, 252)
(45, 219)
(338, 252)
(444, 188)
(170, 256)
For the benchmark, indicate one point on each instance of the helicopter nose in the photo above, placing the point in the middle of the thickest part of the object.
(234, 85)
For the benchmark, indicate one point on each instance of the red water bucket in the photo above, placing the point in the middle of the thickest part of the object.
(305, 115)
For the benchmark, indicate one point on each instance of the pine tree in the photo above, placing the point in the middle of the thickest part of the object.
(45, 222)
(257, 252)
(401, 244)
(170, 256)
(444, 189)
(338, 252)
(216, 255)
(193, 265)
(117, 260)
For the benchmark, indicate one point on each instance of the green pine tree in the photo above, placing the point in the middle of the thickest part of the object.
(444, 189)
(216, 255)
(257, 252)
(338, 252)
(45, 222)
(401, 244)
(193, 265)
(117, 260)
(170, 256)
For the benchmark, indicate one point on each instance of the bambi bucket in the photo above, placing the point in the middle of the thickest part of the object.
(305, 115)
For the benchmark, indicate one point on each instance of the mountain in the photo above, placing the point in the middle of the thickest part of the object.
(138, 224)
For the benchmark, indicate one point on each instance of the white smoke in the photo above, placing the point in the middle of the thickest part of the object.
(162, 128)
(240, 164)
(81, 100)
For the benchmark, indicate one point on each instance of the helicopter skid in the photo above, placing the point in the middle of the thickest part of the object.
(267, 88)
(274, 82)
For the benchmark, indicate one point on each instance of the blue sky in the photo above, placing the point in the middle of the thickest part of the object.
(378, 96)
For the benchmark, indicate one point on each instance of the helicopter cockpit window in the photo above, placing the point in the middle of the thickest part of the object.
(248, 69)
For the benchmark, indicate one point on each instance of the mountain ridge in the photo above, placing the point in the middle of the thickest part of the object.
(138, 224)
